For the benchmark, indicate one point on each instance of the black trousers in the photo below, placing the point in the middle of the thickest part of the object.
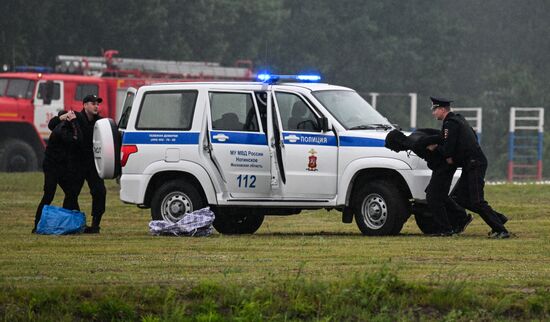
(469, 194)
(52, 178)
(446, 212)
(97, 190)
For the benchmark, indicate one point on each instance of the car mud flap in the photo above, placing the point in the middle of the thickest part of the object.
(347, 215)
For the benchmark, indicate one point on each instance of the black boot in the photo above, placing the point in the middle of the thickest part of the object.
(460, 229)
(94, 229)
(503, 219)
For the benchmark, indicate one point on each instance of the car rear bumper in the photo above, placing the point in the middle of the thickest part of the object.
(133, 188)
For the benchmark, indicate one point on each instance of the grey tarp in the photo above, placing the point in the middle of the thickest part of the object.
(196, 223)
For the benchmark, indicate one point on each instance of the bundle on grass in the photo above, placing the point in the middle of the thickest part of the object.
(417, 142)
(60, 221)
(196, 223)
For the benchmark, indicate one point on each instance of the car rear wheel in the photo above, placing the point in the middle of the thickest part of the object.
(174, 199)
(237, 221)
(380, 209)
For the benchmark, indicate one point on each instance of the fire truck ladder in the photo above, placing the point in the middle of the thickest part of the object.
(525, 143)
(108, 65)
(474, 116)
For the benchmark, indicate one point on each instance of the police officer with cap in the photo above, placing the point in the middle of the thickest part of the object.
(460, 148)
(448, 218)
(86, 120)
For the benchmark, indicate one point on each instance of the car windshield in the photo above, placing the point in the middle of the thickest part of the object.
(19, 88)
(351, 110)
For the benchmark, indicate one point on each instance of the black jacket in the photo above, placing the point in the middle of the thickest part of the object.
(417, 142)
(459, 141)
(63, 147)
(86, 153)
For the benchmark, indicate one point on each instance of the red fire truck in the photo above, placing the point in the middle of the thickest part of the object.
(29, 99)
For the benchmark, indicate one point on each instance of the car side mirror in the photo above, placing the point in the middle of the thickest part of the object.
(324, 124)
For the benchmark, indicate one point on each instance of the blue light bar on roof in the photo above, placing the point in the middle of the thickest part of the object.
(263, 77)
(272, 79)
(34, 69)
(308, 78)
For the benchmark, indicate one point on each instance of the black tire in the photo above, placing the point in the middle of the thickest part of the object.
(173, 199)
(237, 221)
(380, 209)
(427, 225)
(17, 156)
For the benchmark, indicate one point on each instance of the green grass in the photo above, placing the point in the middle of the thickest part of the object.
(304, 255)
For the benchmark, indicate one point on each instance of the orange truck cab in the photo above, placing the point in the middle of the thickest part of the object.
(27, 103)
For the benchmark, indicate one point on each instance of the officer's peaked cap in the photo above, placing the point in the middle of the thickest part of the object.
(440, 102)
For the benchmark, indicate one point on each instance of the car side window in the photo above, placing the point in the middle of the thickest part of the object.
(20, 88)
(171, 110)
(295, 114)
(56, 91)
(126, 109)
(83, 90)
(233, 112)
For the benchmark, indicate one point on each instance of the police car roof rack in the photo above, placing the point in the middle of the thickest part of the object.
(274, 79)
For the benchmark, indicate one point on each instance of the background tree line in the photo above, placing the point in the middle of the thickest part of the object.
(491, 53)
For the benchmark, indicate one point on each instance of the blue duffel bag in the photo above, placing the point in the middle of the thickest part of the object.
(60, 221)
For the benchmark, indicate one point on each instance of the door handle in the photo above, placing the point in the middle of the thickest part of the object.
(291, 138)
(220, 137)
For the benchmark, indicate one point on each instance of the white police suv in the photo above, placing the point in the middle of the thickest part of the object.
(253, 149)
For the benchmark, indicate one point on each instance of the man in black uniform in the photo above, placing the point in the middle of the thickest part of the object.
(461, 149)
(86, 120)
(451, 217)
(60, 164)
(448, 217)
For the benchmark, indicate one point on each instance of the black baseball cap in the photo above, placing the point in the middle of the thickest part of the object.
(440, 102)
(92, 98)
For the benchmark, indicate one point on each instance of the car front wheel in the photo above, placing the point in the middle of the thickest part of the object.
(380, 209)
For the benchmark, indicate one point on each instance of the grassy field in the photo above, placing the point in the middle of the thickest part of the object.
(475, 277)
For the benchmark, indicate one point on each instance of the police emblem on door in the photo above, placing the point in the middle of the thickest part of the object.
(312, 161)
